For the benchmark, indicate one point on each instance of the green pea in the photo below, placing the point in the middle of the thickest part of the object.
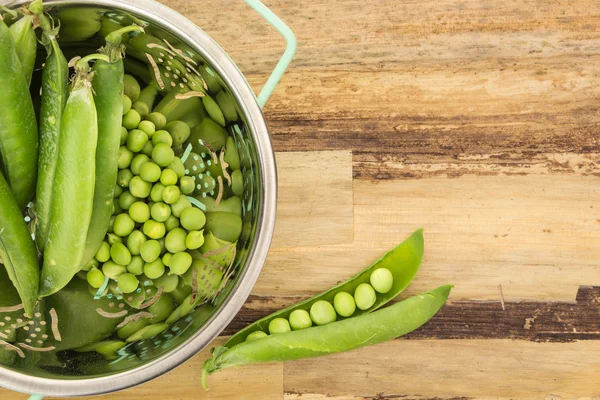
(194, 240)
(132, 88)
(179, 131)
(344, 304)
(187, 185)
(113, 270)
(180, 205)
(124, 177)
(192, 219)
(128, 283)
(95, 278)
(139, 187)
(148, 149)
(227, 106)
(135, 241)
(116, 209)
(154, 269)
(118, 191)
(120, 254)
(232, 157)
(124, 134)
(178, 167)
(171, 194)
(163, 154)
(147, 127)
(126, 104)
(156, 192)
(147, 332)
(172, 223)
(154, 230)
(180, 263)
(300, 319)
(137, 162)
(237, 182)
(158, 119)
(136, 266)
(322, 313)
(382, 280)
(123, 225)
(150, 251)
(103, 253)
(167, 259)
(160, 212)
(93, 263)
(163, 246)
(175, 242)
(125, 157)
(139, 212)
(136, 140)
(112, 239)
(162, 136)
(256, 335)
(126, 200)
(279, 325)
(168, 177)
(131, 120)
(150, 172)
(168, 282)
(365, 296)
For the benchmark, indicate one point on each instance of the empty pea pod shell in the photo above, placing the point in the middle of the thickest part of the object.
(403, 261)
(349, 334)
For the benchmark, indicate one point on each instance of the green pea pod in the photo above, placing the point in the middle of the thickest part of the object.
(108, 88)
(55, 82)
(349, 334)
(73, 192)
(17, 250)
(18, 128)
(403, 261)
(25, 40)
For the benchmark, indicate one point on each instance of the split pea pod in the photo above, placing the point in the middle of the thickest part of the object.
(403, 261)
(55, 82)
(73, 192)
(108, 88)
(18, 127)
(349, 334)
(17, 250)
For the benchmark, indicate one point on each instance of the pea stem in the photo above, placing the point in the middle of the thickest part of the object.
(83, 63)
(116, 37)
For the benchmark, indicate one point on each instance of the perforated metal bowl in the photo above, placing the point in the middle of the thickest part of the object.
(82, 376)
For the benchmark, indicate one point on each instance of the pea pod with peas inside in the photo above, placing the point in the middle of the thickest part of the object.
(349, 334)
(403, 262)
(73, 192)
(108, 86)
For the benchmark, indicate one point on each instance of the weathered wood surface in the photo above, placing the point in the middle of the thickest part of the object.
(475, 119)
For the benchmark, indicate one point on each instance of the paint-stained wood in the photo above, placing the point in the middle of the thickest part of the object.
(475, 119)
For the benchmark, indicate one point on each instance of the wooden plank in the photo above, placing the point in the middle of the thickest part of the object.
(184, 383)
(535, 235)
(534, 321)
(444, 369)
(315, 199)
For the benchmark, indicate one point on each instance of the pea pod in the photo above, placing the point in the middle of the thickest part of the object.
(25, 41)
(55, 82)
(17, 250)
(73, 192)
(403, 261)
(18, 128)
(108, 88)
(349, 334)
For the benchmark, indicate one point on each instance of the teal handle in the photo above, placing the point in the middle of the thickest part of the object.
(288, 55)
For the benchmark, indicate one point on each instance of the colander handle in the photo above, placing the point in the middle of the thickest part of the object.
(288, 55)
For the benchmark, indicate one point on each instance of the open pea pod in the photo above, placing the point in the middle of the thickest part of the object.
(349, 334)
(403, 261)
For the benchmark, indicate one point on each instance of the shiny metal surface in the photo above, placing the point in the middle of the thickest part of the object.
(261, 193)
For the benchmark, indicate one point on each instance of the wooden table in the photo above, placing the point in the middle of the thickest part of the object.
(474, 119)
